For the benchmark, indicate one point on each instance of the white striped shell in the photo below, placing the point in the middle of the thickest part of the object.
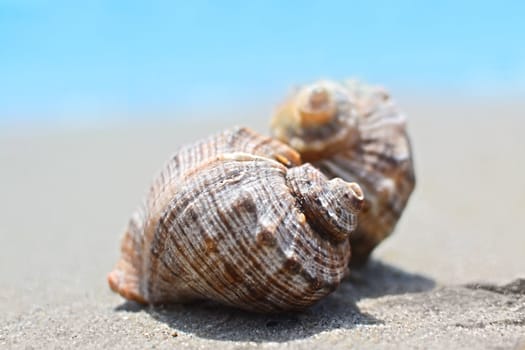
(355, 132)
(227, 220)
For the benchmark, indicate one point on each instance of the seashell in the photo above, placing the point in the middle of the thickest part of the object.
(353, 131)
(236, 219)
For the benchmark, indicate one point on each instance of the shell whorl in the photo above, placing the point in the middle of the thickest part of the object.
(318, 121)
(364, 140)
(221, 222)
(315, 107)
(330, 206)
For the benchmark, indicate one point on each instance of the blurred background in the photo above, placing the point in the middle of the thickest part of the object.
(96, 95)
(65, 62)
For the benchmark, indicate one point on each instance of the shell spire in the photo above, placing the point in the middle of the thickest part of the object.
(330, 206)
(316, 107)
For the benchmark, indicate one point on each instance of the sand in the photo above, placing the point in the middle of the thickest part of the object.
(451, 276)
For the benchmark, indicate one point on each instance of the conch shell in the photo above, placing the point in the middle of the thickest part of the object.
(236, 219)
(355, 132)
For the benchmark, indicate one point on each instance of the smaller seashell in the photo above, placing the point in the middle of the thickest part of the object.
(355, 132)
(236, 219)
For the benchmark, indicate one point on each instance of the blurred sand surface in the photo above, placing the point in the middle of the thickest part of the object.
(66, 194)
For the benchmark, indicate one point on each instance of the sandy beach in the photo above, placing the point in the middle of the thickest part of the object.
(451, 276)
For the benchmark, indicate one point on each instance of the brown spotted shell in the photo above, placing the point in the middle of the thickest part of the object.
(235, 219)
(355, 132)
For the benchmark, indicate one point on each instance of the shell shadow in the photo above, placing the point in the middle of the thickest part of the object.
(337, 311)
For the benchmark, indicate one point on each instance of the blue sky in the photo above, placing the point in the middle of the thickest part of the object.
(73, 58)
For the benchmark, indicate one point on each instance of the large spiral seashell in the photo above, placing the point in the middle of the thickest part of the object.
(355, 132)
(236, 219)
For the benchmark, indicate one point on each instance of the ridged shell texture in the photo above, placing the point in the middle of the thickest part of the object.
(235, 218)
